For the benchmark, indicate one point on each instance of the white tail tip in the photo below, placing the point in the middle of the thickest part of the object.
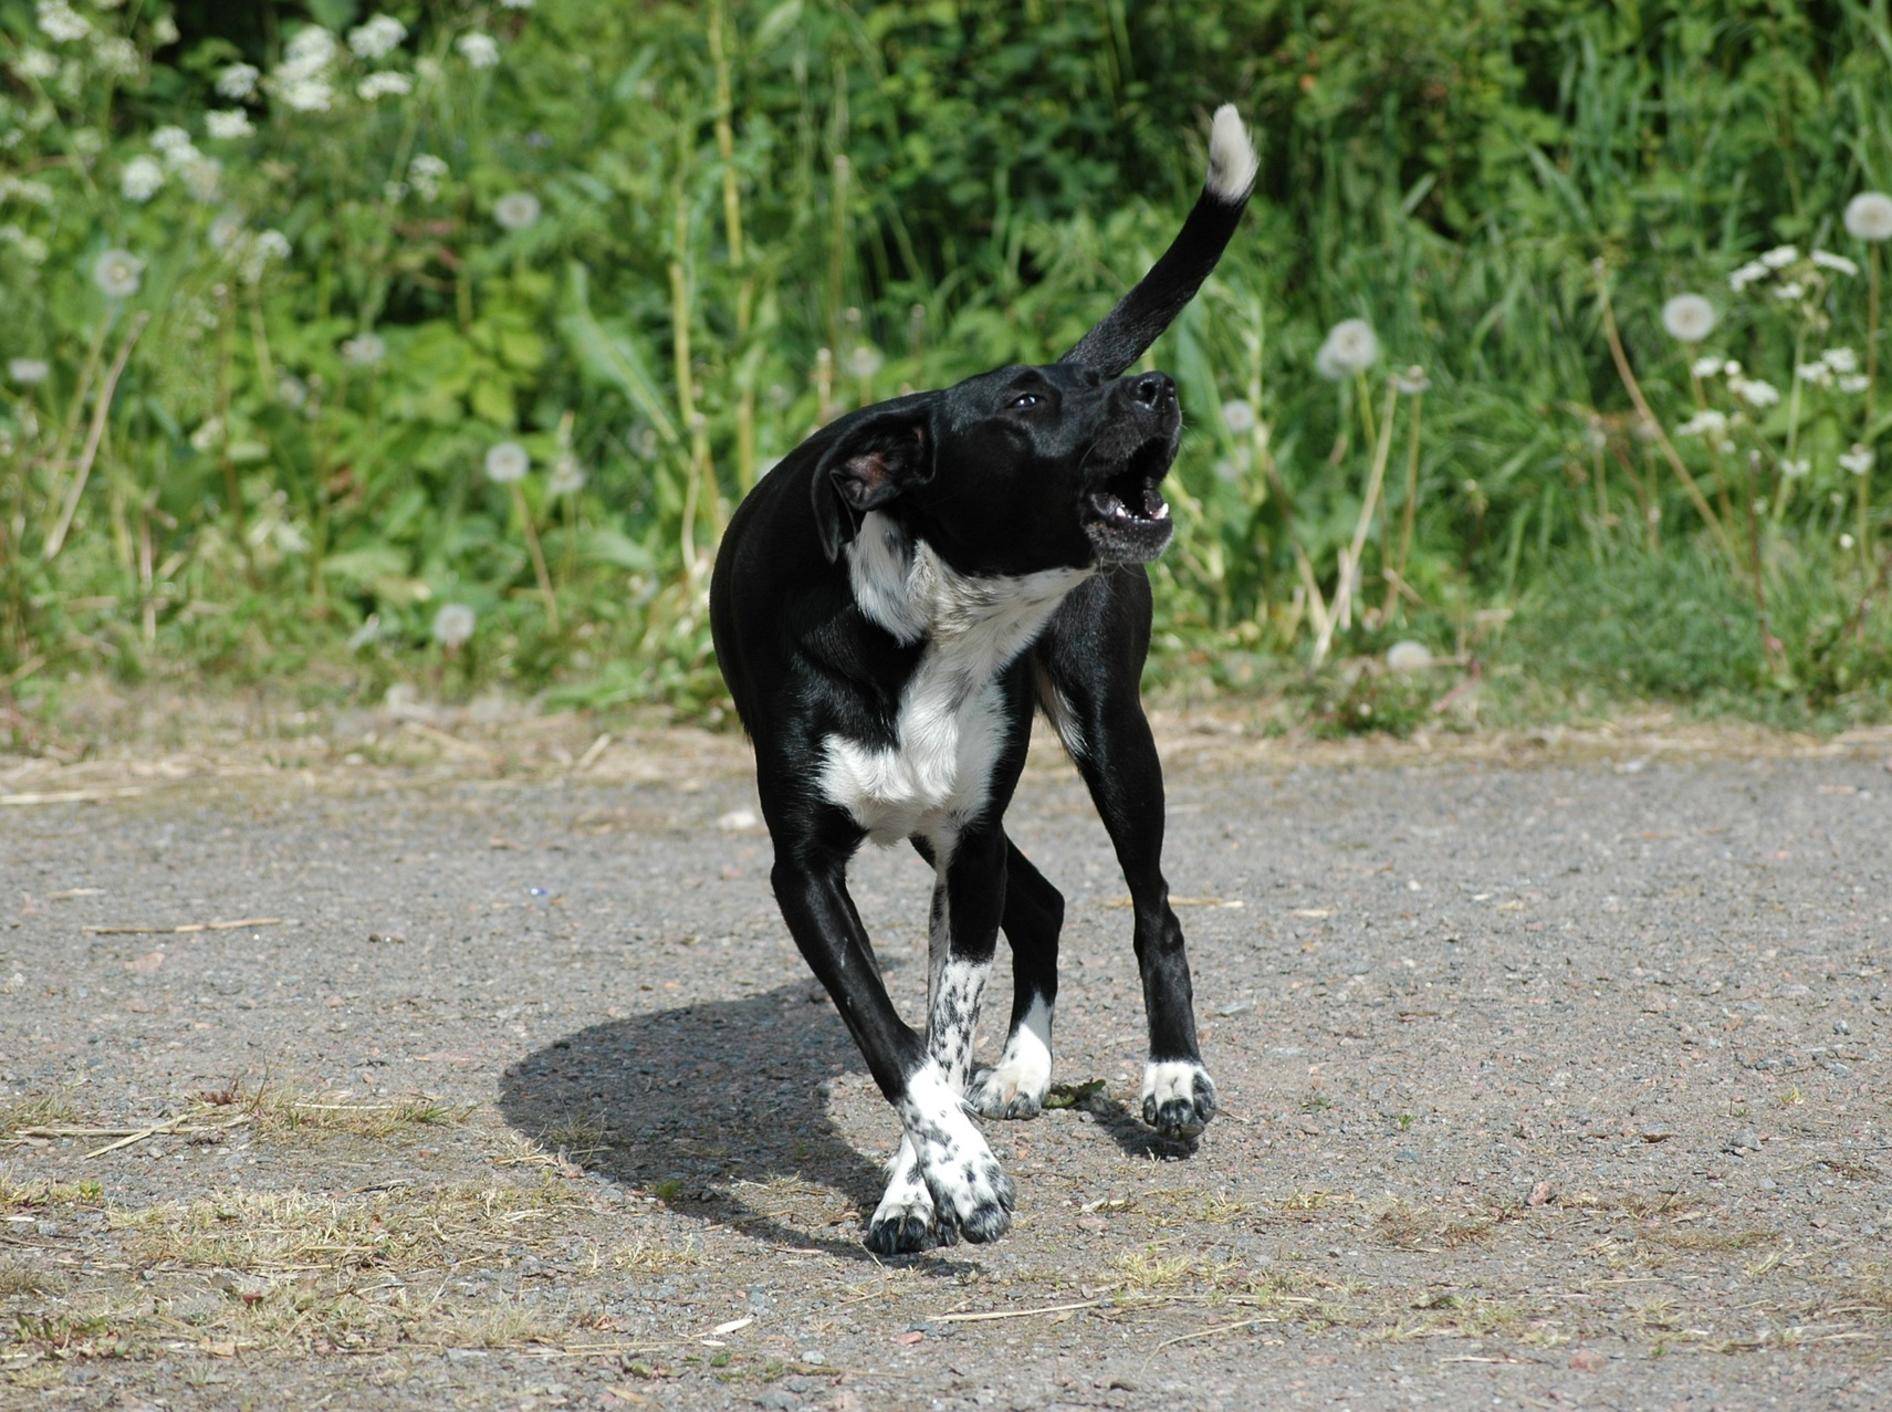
(1232, 159)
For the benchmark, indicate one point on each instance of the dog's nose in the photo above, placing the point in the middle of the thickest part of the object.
(1153, 389)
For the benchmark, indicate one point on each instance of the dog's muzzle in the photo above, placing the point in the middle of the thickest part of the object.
(1121, 508)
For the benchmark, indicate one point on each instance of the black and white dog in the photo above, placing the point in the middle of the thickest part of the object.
(888, 605)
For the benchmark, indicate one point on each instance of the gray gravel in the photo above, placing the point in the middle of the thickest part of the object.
(1556, 1085)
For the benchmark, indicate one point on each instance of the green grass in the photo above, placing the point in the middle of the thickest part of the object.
(753, 215)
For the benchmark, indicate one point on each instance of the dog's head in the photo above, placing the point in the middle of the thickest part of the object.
(1014, 471)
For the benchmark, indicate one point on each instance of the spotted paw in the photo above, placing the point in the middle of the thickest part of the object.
(971, 1193)
(1178, 1098)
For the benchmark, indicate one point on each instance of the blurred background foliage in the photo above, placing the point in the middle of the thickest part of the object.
(294, 290)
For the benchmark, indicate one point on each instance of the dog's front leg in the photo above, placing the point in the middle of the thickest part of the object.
(945, 1179)
(944, 1176)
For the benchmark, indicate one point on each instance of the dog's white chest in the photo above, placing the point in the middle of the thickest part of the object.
(952, 725)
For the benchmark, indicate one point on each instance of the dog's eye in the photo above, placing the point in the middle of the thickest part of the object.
(1025, 400)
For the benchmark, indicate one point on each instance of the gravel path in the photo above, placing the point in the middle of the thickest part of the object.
(1562, 1084)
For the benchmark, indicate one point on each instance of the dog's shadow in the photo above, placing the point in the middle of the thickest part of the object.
(700, 1105)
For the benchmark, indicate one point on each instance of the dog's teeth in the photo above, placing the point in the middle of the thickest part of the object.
(1162, 510)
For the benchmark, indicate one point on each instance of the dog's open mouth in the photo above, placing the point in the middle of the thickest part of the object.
(1124, 512)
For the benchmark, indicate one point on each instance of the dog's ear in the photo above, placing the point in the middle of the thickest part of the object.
(870, 464)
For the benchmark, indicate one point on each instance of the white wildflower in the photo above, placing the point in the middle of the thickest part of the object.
(425, 172)
(164, 31)
(507, 462)
(453, 625)
(1814, 374)
(567, 477)
(237, 81)
(1780, 257)
(1859, 460)
(27, 371)
(1854, 382)
(1869, 216)
(118, 273)
(1689, 318)
(307, 95)
(1408, 656)
(1707, 422)
(208, 435)
(385, 84)
(1755, 392)
(86, 141)
(260, 250)
(140, 179)
(516, 210)
(292, 391)
(61, 23)
(1706, 367)
(1352, 346)
(1238, 416)
(1846, 541)
(478, 49)
(1840, 360)
(1789, 290)
(364, 350)
(377, 37)
(170, 138)
(312, 50)
(33, 193)
(226, 124)
(515, 4)
(1839, 264)
(30, 247)
(1795, 469)
(116, 55)
(36, 64)
(1412, 381)
(1750, 272)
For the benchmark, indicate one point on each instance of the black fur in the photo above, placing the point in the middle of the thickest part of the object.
(1021, 481)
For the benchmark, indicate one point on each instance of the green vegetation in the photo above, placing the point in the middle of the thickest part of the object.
(295, 292)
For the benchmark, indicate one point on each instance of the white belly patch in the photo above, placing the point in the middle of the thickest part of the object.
(951, 727)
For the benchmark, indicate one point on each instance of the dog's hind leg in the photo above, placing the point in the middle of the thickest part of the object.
(1034, 914)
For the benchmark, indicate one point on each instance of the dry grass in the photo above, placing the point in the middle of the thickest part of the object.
(42, 1196)
(283, 1113)
(46, 1111)
(1414, 1228)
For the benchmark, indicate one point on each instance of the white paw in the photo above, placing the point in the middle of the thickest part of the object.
(1178, 1097)
(1016, 1086)
(970, 1192)
(904, 1222)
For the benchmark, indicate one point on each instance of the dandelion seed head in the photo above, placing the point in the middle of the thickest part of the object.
(27, 371)
(865, 361)
(118, 273)
(140, 179)
(1689, 318)
(516, 210)
(453, 625)
(1412, 381)
(1238, 416)
(1869, 216)
(1846, 541)
(507, 462)
(364, 350)
(1352, 347)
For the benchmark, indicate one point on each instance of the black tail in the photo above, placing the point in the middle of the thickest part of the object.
(1143, 313)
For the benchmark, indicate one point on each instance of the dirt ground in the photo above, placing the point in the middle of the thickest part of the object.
(1555, 1073)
